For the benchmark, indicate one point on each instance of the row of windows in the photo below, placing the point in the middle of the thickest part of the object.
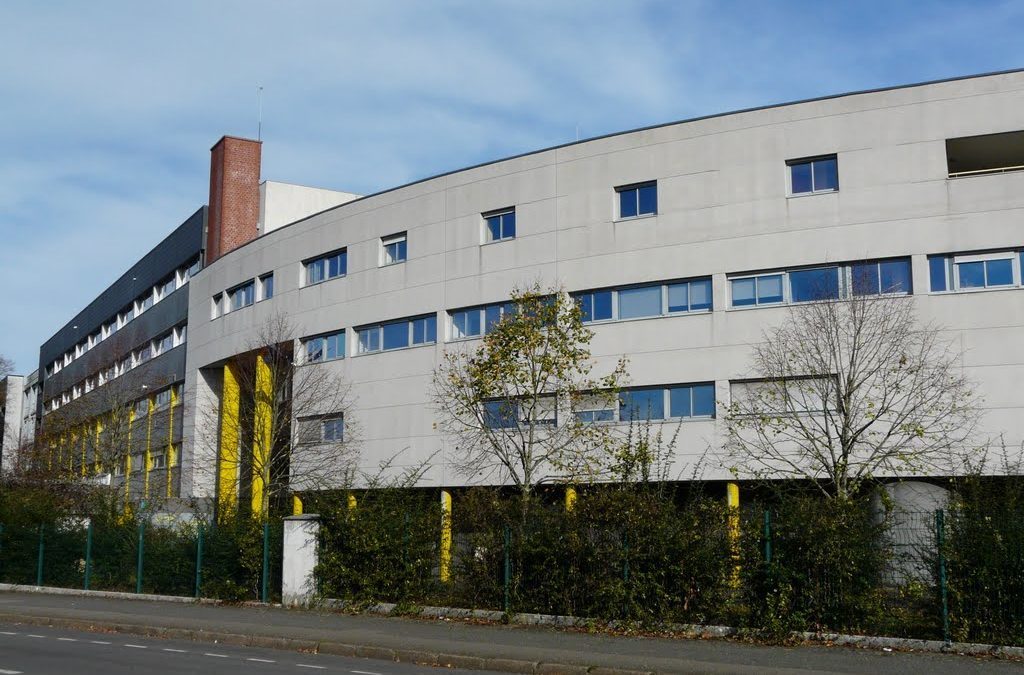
(1000, 269)
(156, 460)
(148, 351)
(830, 282)
(243, 295)
(322, 429)
(142, 303)
(635, 302)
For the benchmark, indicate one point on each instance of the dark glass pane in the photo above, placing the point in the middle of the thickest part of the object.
(972, 274)
(679, 297)
(999, 272)
(500, 414)
(640, 302)
(473, 322)
(937, 272)
(602, 305)
(334, 266)
(743, 292)
(642, 404)
(648, 199)
(396, 335)
(826, 174)
(401, 249)
(679, 402)
(865, 279)
(896, 276)
(508, 225)
(700, 294)
(586, 303)
(314, 349)
(769, 289)
(335, 345)
(627, 203)
(430, 331)
(492, 315)
(818, 284)
(369, 339)
(494, 228)
(459, 320)
(704, 400)
(800, 178)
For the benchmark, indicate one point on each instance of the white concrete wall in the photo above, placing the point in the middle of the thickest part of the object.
(300, 557)
(12, 391)
(723, 208)
(284, 203)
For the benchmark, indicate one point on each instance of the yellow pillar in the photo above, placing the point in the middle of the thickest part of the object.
(296, 505)
(570, 498)
(85, 445)
(148, 458)
(227, 458)
(128, 461)
(97, 465)
(169, 458)
(732, 500)
(263, 398)
(445, 565)
(352, 502)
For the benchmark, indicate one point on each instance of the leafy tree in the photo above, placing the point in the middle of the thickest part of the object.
(847, 390)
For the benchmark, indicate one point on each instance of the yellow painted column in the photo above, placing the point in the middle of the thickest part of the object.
(148, 458)
(85, 445)
(296, 505)
(97, 465)
(169, 458)
(263, 399)
(128, 461)
(445, 563)
(732, 500)
(227, 458)
(352, 502)
(570, 498)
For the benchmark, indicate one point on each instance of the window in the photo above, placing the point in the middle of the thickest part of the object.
(266, 286)
(990, 153)
(636, 302)
(162, 399)
(325, 347)
(166, 288)
(163, 344)
(216, 305)
(393, 249)
(817, 174)
(194, 268)
(125, 316)
(683, 401)
(887, 276)
(332, 430)
(638, 200)
(326, 267)
(641, 404)
(500, 225)
(398, 334)
(596, 408)
(143, 355)
(158, 461)
(141, 408)
(242, 296)
(975, 272)
(176, 393)
(810, 285)
(143, 302)
(502, 414)
(180, 335)
(478, 321)
(834, 282)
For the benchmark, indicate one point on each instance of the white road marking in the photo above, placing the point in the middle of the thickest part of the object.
(176, 651)
(9, 672)
(137, 646)
(36, 636)
(219, 656)
(99, 642)
(306, 665)
(67, 640)
(6, 632)
(364, 672)
(261, 660)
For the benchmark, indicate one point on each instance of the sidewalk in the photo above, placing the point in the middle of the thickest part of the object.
(465, 645)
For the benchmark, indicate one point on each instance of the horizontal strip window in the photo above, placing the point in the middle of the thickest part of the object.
(477, 321)
(637, 302)
(321, 429)
(975, 272)
(329, 266)
(242, 296)
(507, 413)
(642, 404)
(832, 282)
(399, 334)
(327, 347)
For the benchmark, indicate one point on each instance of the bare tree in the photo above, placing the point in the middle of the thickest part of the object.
(510, 405)
(6, 366)
(294, 422)
(847, 390)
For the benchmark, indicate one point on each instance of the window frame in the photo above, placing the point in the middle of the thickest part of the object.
(621, 189)
(410, 323)
(249, 286)
(263, 283)
(666, 403)
(323, 338)
(663, 286)
(481, 312)
(397, 240)
(951, 262)
(801, 161)
(844, 274)
(325, 260)
(500, 214)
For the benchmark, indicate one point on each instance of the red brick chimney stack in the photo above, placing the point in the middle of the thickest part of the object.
(234, 195)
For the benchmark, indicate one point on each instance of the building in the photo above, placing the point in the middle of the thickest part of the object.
(685, 240)
(12, 388)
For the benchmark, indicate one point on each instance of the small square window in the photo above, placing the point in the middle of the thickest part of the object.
(502, 414)
(500, 226)
(393, 249)
(332, 430)
(369, 339)
(638, 200)
(266, 286)
(808, 176)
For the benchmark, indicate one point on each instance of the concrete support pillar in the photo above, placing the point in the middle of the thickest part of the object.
(296, 505)
(262, 437)
(227, 457)
(445, 561)
(300, 557)
(732, 500)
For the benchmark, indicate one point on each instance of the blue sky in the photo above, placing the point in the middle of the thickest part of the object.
(108, 109)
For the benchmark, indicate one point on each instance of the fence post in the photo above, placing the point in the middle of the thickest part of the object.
(768, 536)
(88, 556)
(199, 559)
(508, 569)
(265, 581)
(940, 539)
(39, 558)
(138, 562)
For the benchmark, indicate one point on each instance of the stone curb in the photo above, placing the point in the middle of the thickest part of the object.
(459, 660)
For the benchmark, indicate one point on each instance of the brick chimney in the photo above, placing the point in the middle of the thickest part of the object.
(234, 195)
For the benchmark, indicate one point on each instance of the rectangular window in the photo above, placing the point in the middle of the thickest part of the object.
(168, 287)
(398, 334)
(638, 200)
(326, 267)
(266, 286)
(143, 302)
(643, 301)
(159, 461)
(141, 408)
(216, 306)
(325, 347)
(502, 414)
(477, 321)
(163, 344)
(989, 153)
(640, 302)
(823, 283)
(689, 296)
(242, 296)
(1000, 269)
(424, 330)
(393, 249)
(814, 284)
(817, 174)
(162, 399)
(695, 400)
(500, 225)
(369, 339)
(761, 290)
(595, 305)
(884, 277)
(641, 404)
(332, 430)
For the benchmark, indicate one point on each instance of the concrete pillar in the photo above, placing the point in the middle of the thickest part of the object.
(570, 499)
(262, 438)
(300, 557)
(445, 561)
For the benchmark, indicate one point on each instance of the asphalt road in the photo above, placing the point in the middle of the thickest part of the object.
(35, 650)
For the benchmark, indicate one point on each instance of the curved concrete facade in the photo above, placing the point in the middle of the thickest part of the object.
(724, 207)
